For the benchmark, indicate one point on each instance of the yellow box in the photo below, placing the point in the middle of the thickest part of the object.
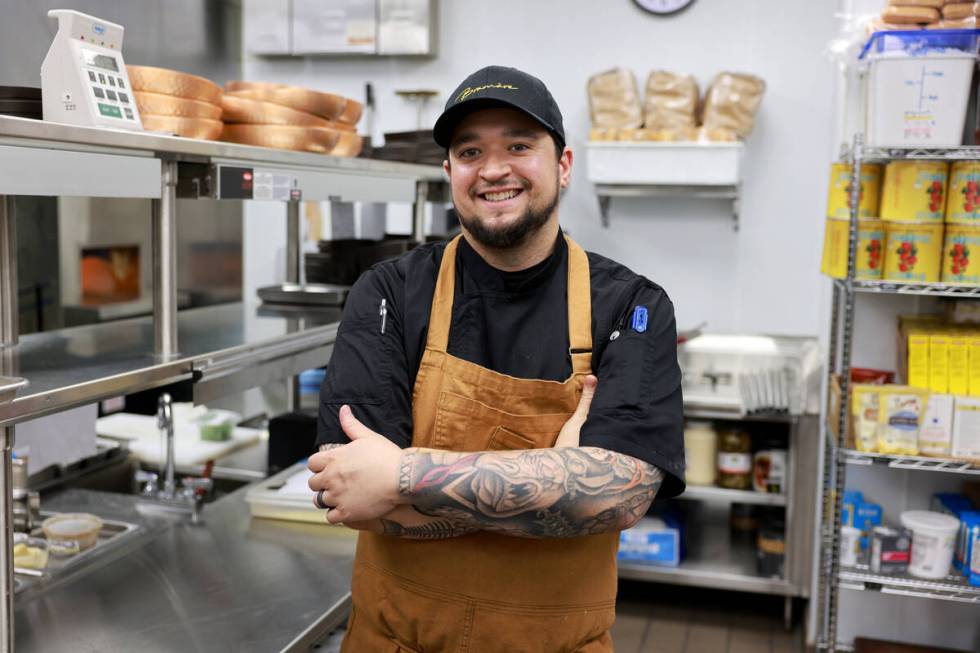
(867, 256)
(918, 374)
(939, 362)
(963, 203)
(959, 363)
(974, 374)
(839, 191)
(865, 420)
(913, 251)
(914, 191)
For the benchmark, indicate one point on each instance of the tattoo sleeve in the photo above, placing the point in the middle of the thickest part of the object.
(536, 493)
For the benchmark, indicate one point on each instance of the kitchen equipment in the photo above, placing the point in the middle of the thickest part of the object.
(83, 78)
(739, 374)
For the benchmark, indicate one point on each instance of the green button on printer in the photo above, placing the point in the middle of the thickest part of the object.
(109, 110)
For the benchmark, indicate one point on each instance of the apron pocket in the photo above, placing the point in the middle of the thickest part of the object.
(464, 424)
(503, 439)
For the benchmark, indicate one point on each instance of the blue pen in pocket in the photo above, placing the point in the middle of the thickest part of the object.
(639, 320)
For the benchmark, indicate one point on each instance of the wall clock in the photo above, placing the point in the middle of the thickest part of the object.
(663, 7)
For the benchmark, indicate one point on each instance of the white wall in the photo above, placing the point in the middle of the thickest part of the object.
(763, 278)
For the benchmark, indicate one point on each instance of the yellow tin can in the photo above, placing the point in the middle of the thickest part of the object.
(961, 247)
(839, 191)
(963, 204)
(913, 251)
(914, 191)
(868, 255)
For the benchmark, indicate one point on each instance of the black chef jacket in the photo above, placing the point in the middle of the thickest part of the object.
(515, 323)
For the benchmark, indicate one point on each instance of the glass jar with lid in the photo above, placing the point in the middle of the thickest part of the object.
(734, 459)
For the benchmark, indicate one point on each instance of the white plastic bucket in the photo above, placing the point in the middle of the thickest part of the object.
(933, 540)
(918, 101)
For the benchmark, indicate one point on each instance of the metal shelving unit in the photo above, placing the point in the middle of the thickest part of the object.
(838, 456)
(222, 349)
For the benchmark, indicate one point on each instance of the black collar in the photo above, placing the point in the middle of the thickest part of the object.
(489, 278)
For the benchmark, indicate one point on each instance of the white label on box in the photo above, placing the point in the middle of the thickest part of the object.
(966, 428)
(936, 432)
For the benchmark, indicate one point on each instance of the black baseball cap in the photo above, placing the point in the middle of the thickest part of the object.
(498, 86)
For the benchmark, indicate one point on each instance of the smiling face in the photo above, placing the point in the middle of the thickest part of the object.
(505, 176)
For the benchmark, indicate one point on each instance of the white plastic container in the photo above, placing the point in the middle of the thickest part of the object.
(850, 545)
(933, 541)
(700, 450)
(918, 101)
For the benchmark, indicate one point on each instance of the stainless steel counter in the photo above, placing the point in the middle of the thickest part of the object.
(232, 583)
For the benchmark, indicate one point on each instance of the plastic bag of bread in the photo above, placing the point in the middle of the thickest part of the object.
(716, 135)
(963, 23)
(614, 100)
(731, 103)
(671, 102)
(909, 14)
(961, 10)
(877, 25)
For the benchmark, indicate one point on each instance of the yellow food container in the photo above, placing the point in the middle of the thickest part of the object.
(963, 205)
(868, 255)
(914, 191)
(913, 251)
(839, 191)
(961, 248)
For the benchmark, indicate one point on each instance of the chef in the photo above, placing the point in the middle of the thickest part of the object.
(462, 429)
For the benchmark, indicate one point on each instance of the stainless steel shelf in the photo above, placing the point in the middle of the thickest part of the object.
(926, 289)
(235, 345)
(720, 494)
(953, 588)
(702, 413)
(923, 463)
(9, 386)
(948, 153)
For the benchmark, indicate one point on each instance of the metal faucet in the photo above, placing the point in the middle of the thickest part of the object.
(168, 497)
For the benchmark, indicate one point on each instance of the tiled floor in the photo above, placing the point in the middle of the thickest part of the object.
(666, 619)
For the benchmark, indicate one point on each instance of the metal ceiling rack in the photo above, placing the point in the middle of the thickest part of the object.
(222, 349)
(833, 577)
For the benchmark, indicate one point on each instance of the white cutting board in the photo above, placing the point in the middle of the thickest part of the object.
(141, 435)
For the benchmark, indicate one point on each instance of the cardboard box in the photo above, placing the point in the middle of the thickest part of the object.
(653, 541)
(938, 363)
(966, 428)
(936, 427)
(959, 363)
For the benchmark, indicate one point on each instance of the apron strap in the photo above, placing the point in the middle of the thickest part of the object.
(579, 305)
(441, 314)
(579, 309)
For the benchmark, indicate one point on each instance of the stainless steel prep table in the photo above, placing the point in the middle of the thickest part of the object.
(232, 583)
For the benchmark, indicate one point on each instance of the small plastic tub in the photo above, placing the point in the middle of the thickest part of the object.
(30, 552)
(933, 541)
(850, 546)
(71, 533)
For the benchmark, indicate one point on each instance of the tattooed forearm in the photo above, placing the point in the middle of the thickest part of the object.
(564, 492)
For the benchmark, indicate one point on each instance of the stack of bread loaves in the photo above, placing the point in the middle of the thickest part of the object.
(175, 102)
(292, 118)
(670, 109)
(928, 14)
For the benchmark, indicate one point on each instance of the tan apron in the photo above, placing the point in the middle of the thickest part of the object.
(484, 593)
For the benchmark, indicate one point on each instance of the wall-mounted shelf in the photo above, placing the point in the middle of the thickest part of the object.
(665, 169)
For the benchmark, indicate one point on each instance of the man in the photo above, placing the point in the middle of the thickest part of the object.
(461, 428)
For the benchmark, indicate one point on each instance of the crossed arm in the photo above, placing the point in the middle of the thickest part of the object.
(565, 491)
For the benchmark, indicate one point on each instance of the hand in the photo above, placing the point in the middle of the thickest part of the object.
(569, 434)
(360, 479)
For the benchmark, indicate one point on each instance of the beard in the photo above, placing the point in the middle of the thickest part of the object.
(512, 234)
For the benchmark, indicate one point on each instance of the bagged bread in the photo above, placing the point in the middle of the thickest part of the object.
(961, 10)
(877, 25)
(614, 100)
(671, 102)
(963, 23)
(905, 15)
(731, 103)
(935, 4)
(716, 135)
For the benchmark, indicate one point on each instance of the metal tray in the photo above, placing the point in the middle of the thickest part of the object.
(319, 294)
(9, 385)
(112, 532)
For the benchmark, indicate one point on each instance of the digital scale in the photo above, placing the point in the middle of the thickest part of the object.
(83, 77)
